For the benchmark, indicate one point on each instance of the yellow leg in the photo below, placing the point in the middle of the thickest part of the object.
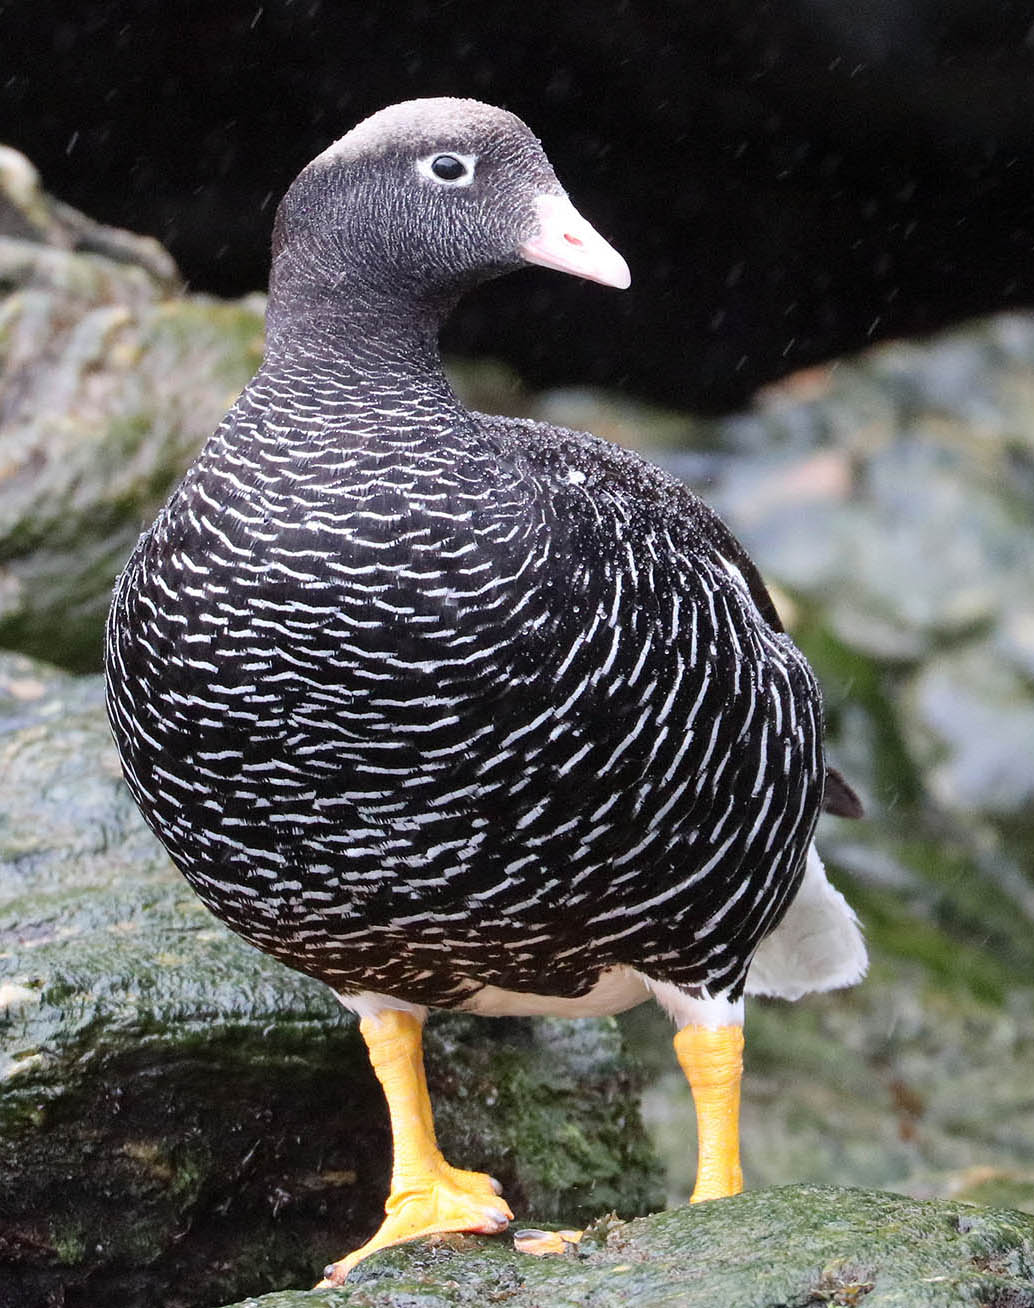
(427, 1195)
(712, 1059)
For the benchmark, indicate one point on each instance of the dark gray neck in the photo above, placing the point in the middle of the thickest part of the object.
(329, 318)
(354, 326)
(372, 361)
(330, 302)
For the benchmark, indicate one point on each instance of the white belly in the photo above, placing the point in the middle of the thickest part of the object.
(617, 989)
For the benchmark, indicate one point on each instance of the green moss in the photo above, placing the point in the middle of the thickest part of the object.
(970, 905)
(796, 1246)
(949, 962)
(852, 677)
(142, 383)
(1001, 1190)
(68, 1244)
(229, 333)
(552, 1161)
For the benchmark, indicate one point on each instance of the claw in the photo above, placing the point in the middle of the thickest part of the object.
(540, 1243)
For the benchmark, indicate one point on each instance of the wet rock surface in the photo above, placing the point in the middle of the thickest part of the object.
(798, 1245)
(183, 1120)
(109, 382)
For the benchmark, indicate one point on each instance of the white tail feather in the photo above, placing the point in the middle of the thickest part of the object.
(817, 946)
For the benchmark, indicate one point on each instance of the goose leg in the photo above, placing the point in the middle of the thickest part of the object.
(427, 1194)
(712, 1059)
(709, 1048)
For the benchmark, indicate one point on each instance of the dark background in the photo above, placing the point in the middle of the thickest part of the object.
(788, 181)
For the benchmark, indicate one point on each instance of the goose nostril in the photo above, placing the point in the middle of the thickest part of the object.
(565, 241)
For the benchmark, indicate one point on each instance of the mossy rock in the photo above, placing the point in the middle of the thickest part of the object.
(793, 1247)
(183, 1120)
(110, 380)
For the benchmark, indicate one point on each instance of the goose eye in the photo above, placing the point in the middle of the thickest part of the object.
(448, 169)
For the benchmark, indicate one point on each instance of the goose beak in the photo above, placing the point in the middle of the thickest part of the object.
(565, 241)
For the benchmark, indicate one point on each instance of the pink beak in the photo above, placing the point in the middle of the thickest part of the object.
(565, 241)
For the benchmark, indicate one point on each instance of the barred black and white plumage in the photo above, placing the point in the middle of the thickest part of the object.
(436, 706)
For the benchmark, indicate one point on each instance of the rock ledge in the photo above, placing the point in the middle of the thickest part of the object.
(792, 1247)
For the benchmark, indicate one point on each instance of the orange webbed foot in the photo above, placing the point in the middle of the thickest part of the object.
(449, 1199)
